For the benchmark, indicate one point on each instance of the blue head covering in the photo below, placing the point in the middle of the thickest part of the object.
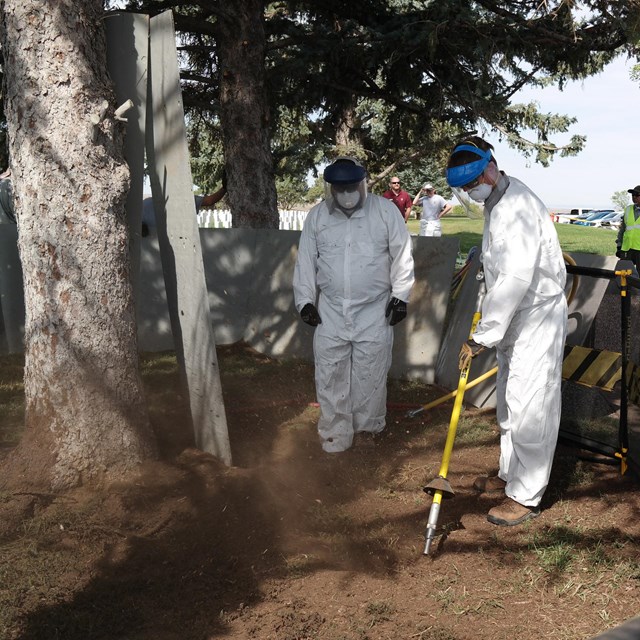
(466, 173)
(344, 171)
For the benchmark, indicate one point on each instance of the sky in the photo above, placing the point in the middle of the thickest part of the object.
(607, 108)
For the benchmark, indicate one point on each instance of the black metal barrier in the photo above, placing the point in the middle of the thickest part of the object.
(626, 282)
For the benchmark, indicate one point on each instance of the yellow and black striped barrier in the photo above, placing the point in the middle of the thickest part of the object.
(592, 368)
(601, 369)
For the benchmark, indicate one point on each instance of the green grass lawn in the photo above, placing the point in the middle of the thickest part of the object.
(573, 238)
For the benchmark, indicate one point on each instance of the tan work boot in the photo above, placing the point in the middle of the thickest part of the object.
(510, 513)
(489, 484)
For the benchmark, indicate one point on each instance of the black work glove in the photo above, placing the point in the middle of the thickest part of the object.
(621, 254)
(310, 315)
(397, 309)
(470, 349)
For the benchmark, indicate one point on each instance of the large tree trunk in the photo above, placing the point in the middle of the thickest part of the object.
(348, 132)
(85, 415)
(244, 115)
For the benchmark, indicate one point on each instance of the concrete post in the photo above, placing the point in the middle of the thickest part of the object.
(180, 249)
(127, 60)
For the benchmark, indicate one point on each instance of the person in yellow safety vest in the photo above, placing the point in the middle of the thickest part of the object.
(628, 240)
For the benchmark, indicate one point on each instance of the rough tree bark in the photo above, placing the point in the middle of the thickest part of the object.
(347, 134)
(244, 114)
(85, 415)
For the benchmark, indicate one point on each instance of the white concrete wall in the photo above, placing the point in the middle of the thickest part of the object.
(249, 274)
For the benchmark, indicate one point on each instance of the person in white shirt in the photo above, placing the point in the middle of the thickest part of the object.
(434, 207)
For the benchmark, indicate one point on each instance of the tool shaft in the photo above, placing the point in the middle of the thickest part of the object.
(432, 523)
(434, 512)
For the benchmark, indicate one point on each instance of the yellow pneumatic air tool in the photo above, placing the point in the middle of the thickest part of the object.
(439, 487)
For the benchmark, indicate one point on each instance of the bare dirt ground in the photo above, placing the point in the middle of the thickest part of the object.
(293, 544)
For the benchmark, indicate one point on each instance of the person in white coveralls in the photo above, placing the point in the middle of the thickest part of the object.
(352, 280)
(524, 316)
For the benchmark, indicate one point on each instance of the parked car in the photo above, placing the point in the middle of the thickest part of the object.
(612, 221)
(571, 216)
(590, 218)
(579, 214)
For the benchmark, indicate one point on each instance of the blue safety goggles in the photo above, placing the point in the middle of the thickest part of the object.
(466, 173)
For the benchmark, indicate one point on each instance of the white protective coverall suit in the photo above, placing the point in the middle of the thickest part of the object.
(524, 315)
(352, 266)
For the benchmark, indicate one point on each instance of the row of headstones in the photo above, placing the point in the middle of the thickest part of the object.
(221, 219)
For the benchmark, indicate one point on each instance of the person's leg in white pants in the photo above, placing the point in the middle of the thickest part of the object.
(333, 389)
(430, 228)
(371, 361)
(528, 400)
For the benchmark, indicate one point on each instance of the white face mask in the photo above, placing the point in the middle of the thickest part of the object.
(348, 199)
(480, 193)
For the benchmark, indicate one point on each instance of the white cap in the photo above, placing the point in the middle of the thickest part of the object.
(428, 187)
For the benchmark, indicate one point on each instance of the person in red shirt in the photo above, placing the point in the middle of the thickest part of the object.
(400, 198)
